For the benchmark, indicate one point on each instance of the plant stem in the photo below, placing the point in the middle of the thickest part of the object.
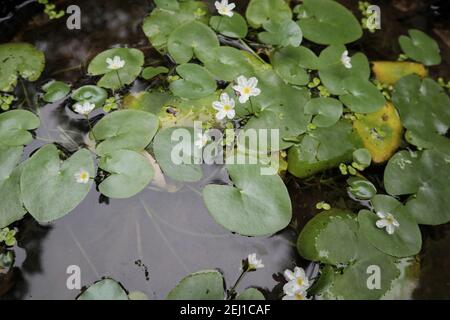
(232, 292)
(118, 77)
(251, 50)
(219, 23)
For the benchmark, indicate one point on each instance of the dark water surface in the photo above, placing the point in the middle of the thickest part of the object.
(151, 241)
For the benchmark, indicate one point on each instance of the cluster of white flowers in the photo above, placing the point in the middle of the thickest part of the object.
(297, 284)
(83, 108)
(115, 63)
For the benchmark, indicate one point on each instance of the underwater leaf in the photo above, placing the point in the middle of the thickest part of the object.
(380, 132)
(181, 143)
(11, 208)
(125, 129)
(361, 188)
(389, 72)
(14, 126)
(404, 242)
(423, 175)
(201, 285)
(250, 294)
(227, 63)
(291, 64)
(49, 186)
(281, 33)
(55, 90)
(115, 79)
(162, 21)
(256, 205)
(260, 11)
(130, 173)
(189, 39)
(328, 22)
(91, 93)
(233, 27)
(196, 82)
(106, 289)
(330, 237)
(151, 72)
(420, 47)
(19, 59)
(327, 111)
(333, 72)
(361, 96)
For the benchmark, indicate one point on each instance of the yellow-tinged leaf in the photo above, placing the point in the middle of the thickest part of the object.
(389, 72)
(381, 132)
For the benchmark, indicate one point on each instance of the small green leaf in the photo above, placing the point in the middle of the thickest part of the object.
(362, 158)
(227, 63)
(420, 47)
(260, 11)
(250, 294)
(201, 285)
(106, 289)
(327, 111)
(91, 93)
(14, 127)
(55, 90)
(196, 83)
(283, 33)
(151, 72)
(361, 189)
(362, 96)
(233, 27)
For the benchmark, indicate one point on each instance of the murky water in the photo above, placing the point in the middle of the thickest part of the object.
(154, 239)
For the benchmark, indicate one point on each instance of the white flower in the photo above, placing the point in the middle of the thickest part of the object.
(246, 88)
(346, 60)
(202, 140)
(224, 8)
(254, 263)
(299, 295)
(115, 63)
(82, 176)
(387, 221)
(224, 107)
(296, 281)
(83, 108)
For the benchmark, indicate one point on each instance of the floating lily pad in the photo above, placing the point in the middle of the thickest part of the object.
(233, 27)
(202, 285)
(261, 11)
(189, 39)
(130, 173)
(333, 72)
(361, 188)
(281, 33)
(115, 79)
(406, 240)
(180, 141)
(362, 96)
(389, 72)
(162, 21)
(197, 82)
(55, 90)
(150, 101)
(11, 208)
(422, 175)
(420, 47)
(227, 63)
(106, 289)
(250, 294)
(256, 205)
(380, 132)
(151, 72)
(291, 64)
(91, 93)
(327, 111)
(328, 22)
(48, 185)
(125, 129)
(167, 4)
(19, 59)
(14, 127)
(362, 158)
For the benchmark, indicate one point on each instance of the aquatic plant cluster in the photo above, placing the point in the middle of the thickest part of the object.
(282, 68)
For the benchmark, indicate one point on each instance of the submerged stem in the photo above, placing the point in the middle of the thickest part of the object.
(251, 50)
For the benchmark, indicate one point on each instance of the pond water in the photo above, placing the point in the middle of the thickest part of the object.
(149, 242)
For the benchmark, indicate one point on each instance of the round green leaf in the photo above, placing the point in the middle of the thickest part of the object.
(233, 27)
(227, 63)
(327, 111)
(330, 237)
(14, 126)
(362, 96)
(328, 22)
(125, 129)
(290, 63)
(91, 93)
(406, 240)
(362, 157)
(201, 285)
(361, 189)
(260, 11)
(189, 39)
(19, 59)
(250, 294)
(115, 79)
(257, 205)
(196, 83)
(130, 174)
(48, 185)
(151, 72)
(180, 141)
(420, 47)
(281, 33)
(55, 90)
(106, 289)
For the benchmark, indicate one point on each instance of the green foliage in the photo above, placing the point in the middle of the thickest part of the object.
(233, 27)
(281, 33)
(202, 285)
(106, 289)
(55, 90)
(261, 11)
(91, 93)
(420, 47)
(196, 82)
(151, 72)
(8, 237)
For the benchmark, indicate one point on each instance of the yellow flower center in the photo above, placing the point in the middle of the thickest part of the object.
(390, 219)
(299, 296)
(247, 90)
(84, 175)
(300, 281)
(227, 107)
